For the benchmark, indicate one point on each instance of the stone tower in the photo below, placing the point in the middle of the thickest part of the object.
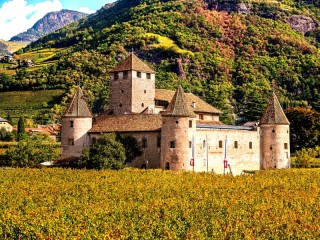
(178, 127)
(76, 122)
(275, 139)
(132, 87)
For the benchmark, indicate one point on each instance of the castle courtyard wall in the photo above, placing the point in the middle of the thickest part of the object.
(241, 155)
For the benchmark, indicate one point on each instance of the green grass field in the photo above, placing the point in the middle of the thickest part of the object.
(156, 204)
(28, 103)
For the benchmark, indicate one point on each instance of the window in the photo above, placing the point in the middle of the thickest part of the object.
(71, 124)
(144, 142)
(177, 122)
(145, 91)
(220, 144)
(158, 142)
(167, 167)
(116, 75)
(172, 144)
(201, 116)
(148, 76)
(71, 142)
(122, 91)
(190, 144)
(250, 145)
(120, 105)
(94, 140)
(285, 145)
(125, 74)
(235, 144)
(190, 123)
(142, 104)
(139, 74)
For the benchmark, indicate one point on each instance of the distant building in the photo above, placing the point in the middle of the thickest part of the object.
(6, 125)
(177, 130)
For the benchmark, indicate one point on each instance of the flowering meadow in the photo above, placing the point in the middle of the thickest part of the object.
(156, 204)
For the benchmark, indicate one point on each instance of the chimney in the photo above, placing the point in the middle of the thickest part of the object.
(194, 105)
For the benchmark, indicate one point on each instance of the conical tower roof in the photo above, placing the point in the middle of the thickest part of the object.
(132, 63)
(179, 105)
(274, 113)
(78, 106)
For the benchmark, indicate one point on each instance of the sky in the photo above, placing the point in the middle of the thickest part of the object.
(17, 16)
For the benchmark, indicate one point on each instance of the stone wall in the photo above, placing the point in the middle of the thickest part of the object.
(243, 150)
(150, 157)
(74, 135)
(275, 146)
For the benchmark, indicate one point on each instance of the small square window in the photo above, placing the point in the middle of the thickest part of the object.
(144, 143)
(235, 144)
(250, 145)
(148, 76)
(172, 144)
(190, 123)
(71, 124)
(201, 116)
(125, 74)
(116, 75)
(285, 145)
(139, 74)
(158, 142)
(190, 144)
(220, 144)
(71, 142)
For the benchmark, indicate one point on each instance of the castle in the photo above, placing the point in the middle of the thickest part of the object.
(177, 130)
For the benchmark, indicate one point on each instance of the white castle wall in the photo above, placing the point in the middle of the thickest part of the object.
(209, 156)
(74, 136)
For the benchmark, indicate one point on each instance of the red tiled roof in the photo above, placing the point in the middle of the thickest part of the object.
(274, 113)
(127, 123)
(132, 63)
(78, 106)
(178, 105)
(201, 106)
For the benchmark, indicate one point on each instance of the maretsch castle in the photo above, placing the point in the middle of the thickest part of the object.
(177, 130)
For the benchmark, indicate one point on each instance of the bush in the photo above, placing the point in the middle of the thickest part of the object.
(31, 151)
(107, 153)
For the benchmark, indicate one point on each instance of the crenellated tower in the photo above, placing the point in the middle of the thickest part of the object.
(132, 87)
(275, 136)
(178, 127)
(76, 122)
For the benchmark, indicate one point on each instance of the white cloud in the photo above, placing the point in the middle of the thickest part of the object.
(17, 16)
(86, 10)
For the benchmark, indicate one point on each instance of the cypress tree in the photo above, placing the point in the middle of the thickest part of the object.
(21, 129)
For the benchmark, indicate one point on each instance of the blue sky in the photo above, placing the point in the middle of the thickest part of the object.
(17, 16)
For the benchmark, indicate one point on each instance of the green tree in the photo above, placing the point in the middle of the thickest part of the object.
(31, 151)
(6, 135)
(131, 145)
(107, 153)
(21, 129)
(304, 128)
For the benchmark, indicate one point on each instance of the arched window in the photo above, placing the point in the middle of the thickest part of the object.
(144, 143)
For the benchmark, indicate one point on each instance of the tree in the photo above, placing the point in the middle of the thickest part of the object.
(132, 147)
(107, 153)
(21, 129)
(31, 151)
(6, 135)
(304, 128)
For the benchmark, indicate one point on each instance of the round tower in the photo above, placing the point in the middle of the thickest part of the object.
(275, 136)
(76, 122)
(176, 134)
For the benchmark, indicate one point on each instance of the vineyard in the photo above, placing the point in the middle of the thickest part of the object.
(155, 204)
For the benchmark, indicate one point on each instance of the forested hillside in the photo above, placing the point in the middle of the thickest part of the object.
(228, 52)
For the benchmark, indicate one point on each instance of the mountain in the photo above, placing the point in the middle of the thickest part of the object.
(232, 53)
(49, 23)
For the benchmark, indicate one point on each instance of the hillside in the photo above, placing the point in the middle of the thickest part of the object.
(49, 23)
(228, 52)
